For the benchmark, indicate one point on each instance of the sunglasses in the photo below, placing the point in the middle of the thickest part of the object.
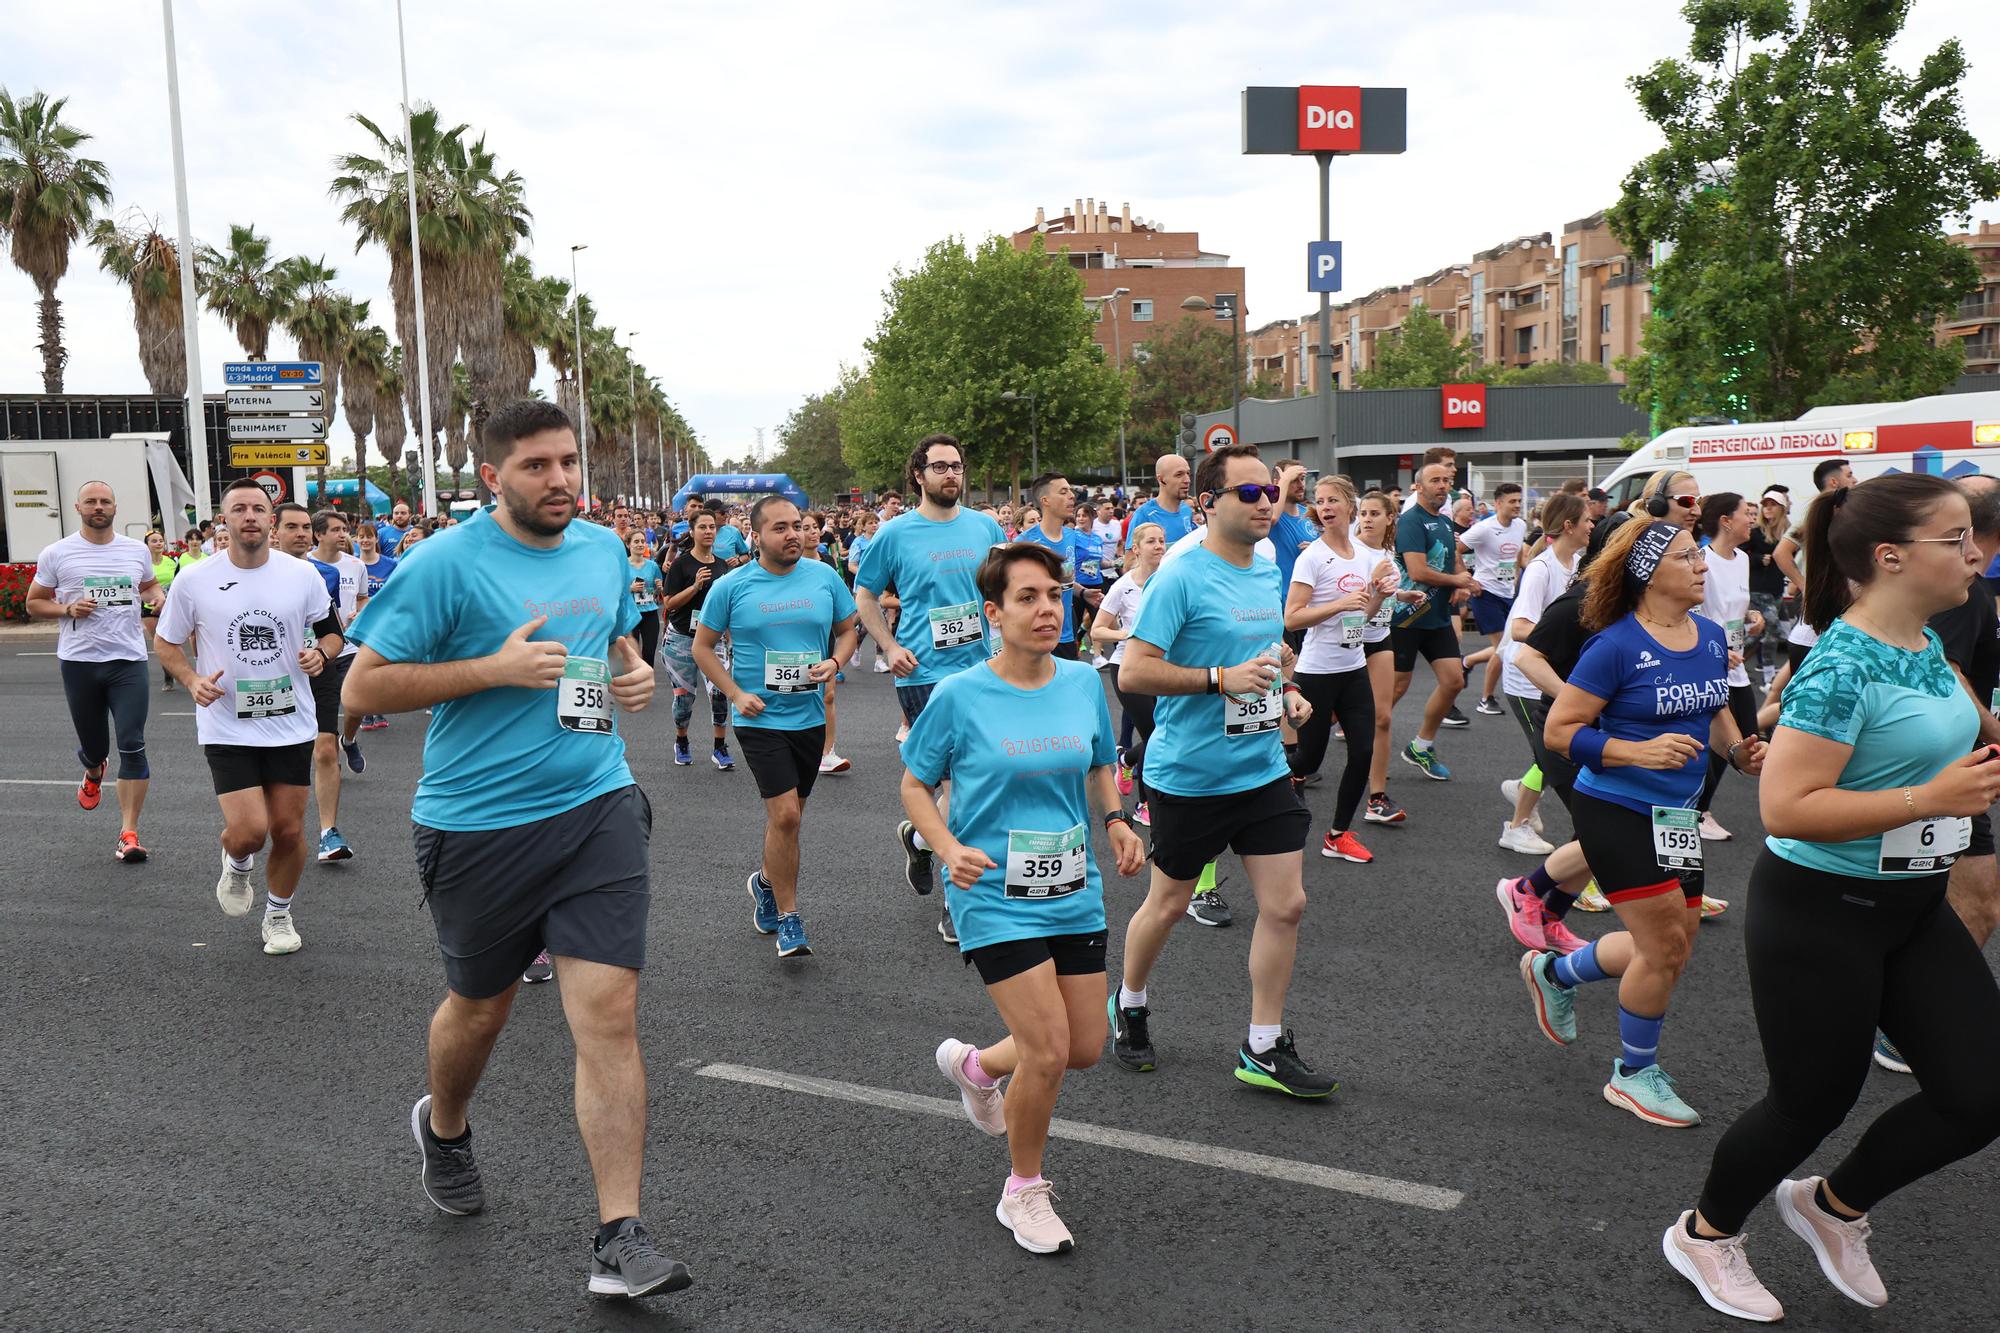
(1250, 491)
(1687, 501)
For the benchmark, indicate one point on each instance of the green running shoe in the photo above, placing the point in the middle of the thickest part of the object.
(1280, 1070)
(1650, 1095)
(1427, 760)
(1555, 1006)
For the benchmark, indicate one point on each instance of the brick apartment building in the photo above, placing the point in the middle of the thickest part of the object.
(1976, 322)
(1158, 268)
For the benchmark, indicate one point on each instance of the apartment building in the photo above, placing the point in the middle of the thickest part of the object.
(1976, 322)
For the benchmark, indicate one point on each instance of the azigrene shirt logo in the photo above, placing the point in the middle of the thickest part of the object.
(257, 638)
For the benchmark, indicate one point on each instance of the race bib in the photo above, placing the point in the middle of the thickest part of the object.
(1380, 620)
(110, 590)
(785, 673)
(1090, 572)
(953, 626)
(1924, 846)
(265, 698)
(1045, 865)
(1503, 574)
(1069, 571)
(1734, 629)
(583, 696)
(1352, 625)
(1676, 838)
(1253, 716)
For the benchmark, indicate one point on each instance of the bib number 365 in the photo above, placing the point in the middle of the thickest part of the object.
(1253, 716)
(583, 696)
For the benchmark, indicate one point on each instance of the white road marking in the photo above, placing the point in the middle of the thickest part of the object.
(1385, 1188)
(38, 654)
(39, 782)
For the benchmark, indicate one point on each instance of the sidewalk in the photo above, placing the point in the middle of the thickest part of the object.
(30, 629)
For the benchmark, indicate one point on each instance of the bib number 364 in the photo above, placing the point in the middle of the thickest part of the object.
(583, 697)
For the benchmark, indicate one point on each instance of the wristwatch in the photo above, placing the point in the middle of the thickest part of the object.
(1117, 817)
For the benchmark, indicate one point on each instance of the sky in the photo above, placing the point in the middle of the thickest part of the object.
(746, 176)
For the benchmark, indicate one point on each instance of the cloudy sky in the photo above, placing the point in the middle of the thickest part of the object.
(747, 175)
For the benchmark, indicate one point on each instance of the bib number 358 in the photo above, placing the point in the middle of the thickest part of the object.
(583, 697)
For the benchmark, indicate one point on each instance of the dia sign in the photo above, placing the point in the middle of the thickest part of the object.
(1329, 120)
(1464, 405)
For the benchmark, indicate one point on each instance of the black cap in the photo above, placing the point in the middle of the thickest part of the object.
(1598, 494)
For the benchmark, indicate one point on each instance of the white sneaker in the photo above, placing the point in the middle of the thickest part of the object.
(1511, 791)
(1030, 1214)
(833, 763)
(984, 1107)
(1712, 831)
(902, 733)
(1523, 839)
(881, 667)
(1100, 661)
(234, 890)
(280, 935)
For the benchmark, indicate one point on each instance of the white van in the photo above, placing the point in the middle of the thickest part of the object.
(1949, 434)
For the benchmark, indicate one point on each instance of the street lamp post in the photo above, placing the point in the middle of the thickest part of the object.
(197, 418)
(582, 397)
(417, 279)
(1235, 357)
(1118, 364)
(1034, 429)
(632, 396)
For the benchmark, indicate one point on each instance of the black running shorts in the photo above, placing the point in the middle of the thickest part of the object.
(1191, 831)
(1439, 641)
(1618, 843)
(1073, 955)
(240, 767)
(326, 694)
(782, 761)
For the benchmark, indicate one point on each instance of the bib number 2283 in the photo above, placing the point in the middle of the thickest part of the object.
(1676, 838)
(583, 696)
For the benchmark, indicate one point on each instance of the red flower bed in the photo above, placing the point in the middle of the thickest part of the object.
(14, 591)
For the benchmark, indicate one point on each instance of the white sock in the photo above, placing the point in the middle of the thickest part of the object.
(1421, 744)
(918, 839)
(1131, 999)
(1263, 1036)
(273, 903)
(243, 863)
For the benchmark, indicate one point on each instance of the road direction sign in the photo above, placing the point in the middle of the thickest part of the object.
(277, 455)
(296, 373)
(251, 402)
(277, 428)
(273, 484)
(1322, 266)
(1219, 436)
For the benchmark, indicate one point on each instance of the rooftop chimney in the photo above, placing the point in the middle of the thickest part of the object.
(1039, 218)
(1127, 211)
(1090, 215)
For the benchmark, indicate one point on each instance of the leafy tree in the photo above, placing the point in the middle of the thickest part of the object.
(809, 445)
(133, 251)
(1186, 369)
(961, 329)
(1802, 189)
(1554, 372)
(48, 196)
(1423, 355)
(249, 288)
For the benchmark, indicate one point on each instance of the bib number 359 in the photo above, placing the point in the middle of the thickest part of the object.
(583, 697)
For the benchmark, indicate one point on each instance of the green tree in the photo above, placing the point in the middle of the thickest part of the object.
(133, 251)
(1798, 204)
(1554, 372)
(249, 288)
(961, 329)
(48, 196)
(1423, 355)
(809, 446)
(1186, 369)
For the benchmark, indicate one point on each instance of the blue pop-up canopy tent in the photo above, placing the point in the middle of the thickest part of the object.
(346, 488)
(741, 483)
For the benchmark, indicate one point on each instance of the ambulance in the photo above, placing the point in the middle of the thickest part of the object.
(1951, 435)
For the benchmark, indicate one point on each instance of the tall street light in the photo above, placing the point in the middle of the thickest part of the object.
(1117, 364)
(417, 277)
(197, 418)
(632, 397)
(1034, 430)
(1235, 358)
(582, 396)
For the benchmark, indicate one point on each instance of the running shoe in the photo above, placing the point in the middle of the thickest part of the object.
(902, 733)
(1345, 847)
(451, 1177)
(1099, 661)
(91, 790)
(129, 851)
(917, 861)
(1142, 816)
(1489, 707)
(792, 937)
(543, 969)
(629, 1265)
(280, 935)
(683, 756)
(167, 685)
(1592, 899)
(719, 756)
(1650, 1095)
(1713, 907)
(376, 722)
(1428, 761)
(1131, 1038)
(1029, 1212)
(1525, 916)
(881, 667)
(830, 763)
(1124, 778)
(355, 760)
(1280, 1070)
(1510, 792)
(947, 928)
(764, 913)
(333, 847)
(1208, 909)
(1382, 810)
(1454, 718)
(984, 1107)
(1887, 1056)
(1712, 831)
(1561, 939)
(233, 891)
(1720, 1271)
(1555, 1006)
(1522, 838)
(1839, 1243)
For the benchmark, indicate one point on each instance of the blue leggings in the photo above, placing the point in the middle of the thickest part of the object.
(116, 689)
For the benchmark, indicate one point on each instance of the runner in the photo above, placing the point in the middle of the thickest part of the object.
(263, 626)
(1374, 528)
(1727, 521)
(1566, 519)
(380, 565)
(1207, 643)
(164, 569)
(814, 526)
(1647, 697)
(1427, 550)
(390, 535)
(346, 582)
(1866, 801)
(1831, 474)
(646, 581)
(1495, 543)
(688, 581)
(514, 629)
(780, 614)
(96, 582)
(931, 556)
(1051, 491)
(1027, 742)
(1169, 507)
(1114, 624)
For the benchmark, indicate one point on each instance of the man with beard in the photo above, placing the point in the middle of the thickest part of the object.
(780, 618)
(513, 628)
(930, 555)
(263, 627)
(94, 582)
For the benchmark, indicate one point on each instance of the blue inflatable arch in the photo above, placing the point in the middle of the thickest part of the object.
(741, 485)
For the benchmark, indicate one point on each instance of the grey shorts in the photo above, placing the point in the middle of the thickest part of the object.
(577, 884)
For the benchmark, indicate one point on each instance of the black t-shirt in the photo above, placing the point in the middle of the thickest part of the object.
(680, 577)
(1971, 636)
(1765, 576)
(1559, 635)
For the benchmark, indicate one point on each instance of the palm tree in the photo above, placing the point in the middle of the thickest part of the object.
(363, 363)
(530, 308)
(455, 418)
(47, 198)
(248, 288)
(133, 251)
(322, 320)
(391, 430)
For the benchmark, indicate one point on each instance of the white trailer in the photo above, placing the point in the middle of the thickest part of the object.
(39, 480)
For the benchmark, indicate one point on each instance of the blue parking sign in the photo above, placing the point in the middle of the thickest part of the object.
(1323, 266)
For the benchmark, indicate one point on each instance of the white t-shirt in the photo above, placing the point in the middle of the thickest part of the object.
(1123, 601)
(1199, 536)
(1108, 531)
(251, 625)
(353, 578)
(111, 575)
(1332, 645)
(1545, 579)
(1725, 597)
(1496, 554)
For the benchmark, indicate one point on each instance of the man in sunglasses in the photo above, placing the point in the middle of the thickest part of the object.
(1207, 644)
(1427, 551)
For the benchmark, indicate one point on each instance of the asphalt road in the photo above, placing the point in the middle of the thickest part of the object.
(200, 1137)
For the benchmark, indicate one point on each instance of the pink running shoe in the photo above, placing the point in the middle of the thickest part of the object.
(1840, 1244)
(1524, 914)
(1561, 939)
(1124, 779)
(1721, 1273)
(1142, 816)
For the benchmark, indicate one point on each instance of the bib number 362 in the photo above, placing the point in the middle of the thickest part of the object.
(583, 697)
(1044, 865)
(1924, 846)
(1676, 838)
(952, 626)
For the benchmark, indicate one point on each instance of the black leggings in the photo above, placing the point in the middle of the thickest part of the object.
(1742, 707)
(1349, 696)
(1558, 773)
(1139, 712)
(119, 689)
(647, 634)
(1831, 958)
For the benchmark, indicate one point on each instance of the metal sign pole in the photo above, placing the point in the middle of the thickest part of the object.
(196, 431)
(417, 279)
(1326, 319)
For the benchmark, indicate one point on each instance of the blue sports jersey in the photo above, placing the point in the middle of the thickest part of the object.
(1418, 529)
(379, 572)
(1649, 690)
(932, 566)
(768, 616)
(1066, 545)
(1019, 763)
(1290, 534)
(647, 572)
(1089, 561)
(730, 542)
(1202, 611)
(510, 756)
(329, 574)
(1175, 523)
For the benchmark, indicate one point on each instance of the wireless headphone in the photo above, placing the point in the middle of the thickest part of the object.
(1659, 503)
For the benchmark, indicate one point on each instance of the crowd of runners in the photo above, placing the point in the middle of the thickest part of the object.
(1108, 683)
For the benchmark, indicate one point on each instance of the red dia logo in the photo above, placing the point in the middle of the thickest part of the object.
(1330, 119)
(1464, 405)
